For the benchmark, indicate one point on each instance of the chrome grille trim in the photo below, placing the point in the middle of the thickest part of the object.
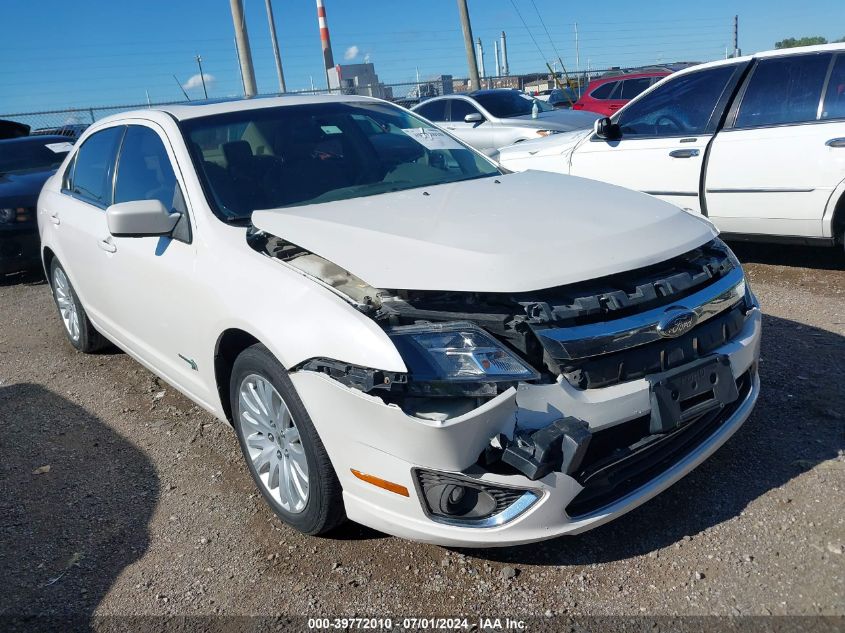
(583, 341)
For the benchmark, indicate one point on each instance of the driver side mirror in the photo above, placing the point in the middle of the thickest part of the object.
(141, 218)
(475, 117)
(607, 129)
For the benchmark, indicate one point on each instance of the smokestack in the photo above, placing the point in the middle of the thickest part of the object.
(496, 55)
(479, 53)
(505, 69)
(324, 40)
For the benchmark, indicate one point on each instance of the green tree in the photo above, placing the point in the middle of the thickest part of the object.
(791, 42)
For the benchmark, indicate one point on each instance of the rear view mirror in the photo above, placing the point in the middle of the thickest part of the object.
(140, 218)
(475, 117)
(607, 129)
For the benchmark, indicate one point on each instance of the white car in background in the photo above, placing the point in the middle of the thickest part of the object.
(755, 143)
(489, 119)
(394, 335)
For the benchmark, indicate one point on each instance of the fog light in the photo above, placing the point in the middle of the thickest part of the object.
(469, 503)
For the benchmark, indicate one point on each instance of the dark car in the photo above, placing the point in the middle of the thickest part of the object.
(25, 164)
(562, 97)
(12, 129)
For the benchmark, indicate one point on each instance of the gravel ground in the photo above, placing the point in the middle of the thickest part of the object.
(147, 508)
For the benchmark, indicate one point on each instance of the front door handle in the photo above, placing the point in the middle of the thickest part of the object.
(836, 142)
(107, 245)
(683, 153)
(54, 218)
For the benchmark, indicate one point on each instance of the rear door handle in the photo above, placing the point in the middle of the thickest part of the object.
(54, 218)
(107, 245)
(683, 153)
(836, 142)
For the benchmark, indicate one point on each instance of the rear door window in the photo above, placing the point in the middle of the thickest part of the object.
(834, 98)
(94, 167)
(433, 110)
(784, 90)
(633, 87)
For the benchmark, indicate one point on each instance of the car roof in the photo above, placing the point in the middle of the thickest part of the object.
(489, 91)
(196, 109)
(622, 77)
(779, 52)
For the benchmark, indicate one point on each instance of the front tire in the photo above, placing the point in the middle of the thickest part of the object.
(284, 454)
(81, 334)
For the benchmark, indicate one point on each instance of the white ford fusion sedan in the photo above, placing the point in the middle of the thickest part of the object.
(396, 334)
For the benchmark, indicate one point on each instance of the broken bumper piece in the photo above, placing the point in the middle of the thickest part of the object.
(560, 469)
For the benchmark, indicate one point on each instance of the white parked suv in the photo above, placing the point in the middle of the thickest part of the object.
(490, 119)
(756, 143)
(394, 335)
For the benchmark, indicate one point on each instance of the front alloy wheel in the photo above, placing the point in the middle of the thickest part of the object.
(282, 449)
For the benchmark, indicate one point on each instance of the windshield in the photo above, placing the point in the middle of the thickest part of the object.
(20, 156)
(306, 154)
(506, 104)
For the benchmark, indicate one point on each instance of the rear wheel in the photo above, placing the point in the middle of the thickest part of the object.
(78, 328)
(283, 452)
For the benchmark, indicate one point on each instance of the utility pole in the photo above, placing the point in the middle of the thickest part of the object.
(736, 36)
(275, 42)
(202, 76)
(244, 53)
(474, 82)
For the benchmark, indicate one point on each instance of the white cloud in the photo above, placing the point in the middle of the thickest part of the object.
(196, 81)
(351, 53)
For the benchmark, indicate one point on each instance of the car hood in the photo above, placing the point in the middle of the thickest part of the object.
(554, 144)
(512, 233)
(561, 119)
(23, 188)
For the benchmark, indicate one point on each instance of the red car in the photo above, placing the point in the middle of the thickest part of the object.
(609, 94)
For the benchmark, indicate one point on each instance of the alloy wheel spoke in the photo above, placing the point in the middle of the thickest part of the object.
(263, 458)
(300, 483)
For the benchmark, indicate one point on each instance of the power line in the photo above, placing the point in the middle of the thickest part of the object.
(528, 30)
(546, 30)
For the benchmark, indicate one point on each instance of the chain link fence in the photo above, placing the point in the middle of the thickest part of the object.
(72, 121)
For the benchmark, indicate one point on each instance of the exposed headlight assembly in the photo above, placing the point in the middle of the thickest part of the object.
(456, 359)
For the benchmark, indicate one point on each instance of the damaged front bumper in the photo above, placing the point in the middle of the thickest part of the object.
(363, 434)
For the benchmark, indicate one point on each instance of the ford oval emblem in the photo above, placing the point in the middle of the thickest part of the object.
(676, 322)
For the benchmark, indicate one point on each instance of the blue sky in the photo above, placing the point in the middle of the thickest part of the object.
(58, 53)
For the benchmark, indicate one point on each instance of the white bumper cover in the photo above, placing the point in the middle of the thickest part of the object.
(360, 432)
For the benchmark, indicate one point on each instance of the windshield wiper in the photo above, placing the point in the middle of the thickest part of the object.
(239, 220)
